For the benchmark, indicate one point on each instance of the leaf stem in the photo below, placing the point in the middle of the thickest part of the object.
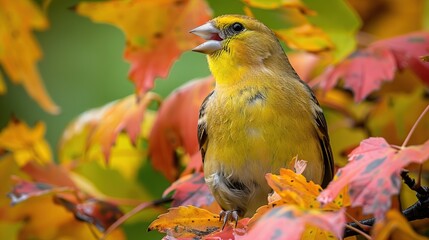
(414, 126)
(359, 231)
(133, 212)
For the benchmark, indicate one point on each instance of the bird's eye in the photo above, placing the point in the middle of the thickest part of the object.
(237, 27)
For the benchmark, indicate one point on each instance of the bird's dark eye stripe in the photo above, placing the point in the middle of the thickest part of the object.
(237, 27)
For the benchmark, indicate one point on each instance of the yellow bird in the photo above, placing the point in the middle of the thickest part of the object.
(259, 116)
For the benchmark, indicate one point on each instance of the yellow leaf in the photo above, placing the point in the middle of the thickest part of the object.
(112, 133)
(273, 4)
(312, 232)
(19, 50)
(57, 223)
(394, 227)
(26, 144)
(306, 37)
(186, 221)
(295, 189)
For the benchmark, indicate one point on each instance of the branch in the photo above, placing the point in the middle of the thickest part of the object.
(418, 210)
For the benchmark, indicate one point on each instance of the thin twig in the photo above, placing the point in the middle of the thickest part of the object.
(364, 227)
(415, 126)
(359, 231)
(133, 212)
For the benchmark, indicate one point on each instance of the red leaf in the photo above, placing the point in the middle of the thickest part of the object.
(156, 32)
(407, 50)
(231, 232)
(176, 126)
(373, 174)
(191, 190)
(24, 190)
(289, 222)
(99, 213)
(365, 70)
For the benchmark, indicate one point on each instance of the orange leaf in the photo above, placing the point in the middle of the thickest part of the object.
(25, 144)
(101, 127)
(156, 32)
(19, 50)
(290, 221)
(373, 174)
(186, 221)
(295, 189)
(176, 126)
(394, 227)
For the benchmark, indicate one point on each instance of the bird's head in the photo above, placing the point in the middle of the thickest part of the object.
(237, 40)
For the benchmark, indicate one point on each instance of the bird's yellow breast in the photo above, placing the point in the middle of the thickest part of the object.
(255, 128)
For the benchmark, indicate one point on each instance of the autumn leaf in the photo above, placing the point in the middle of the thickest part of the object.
(186, 221)
(101, 214)
(25, 143)
(273, 4)
(312, 27)
(231, 231)
(394, 227)
(156, 32)
(176, 127)
(290, 221)
(295, 189)
(191, 190)
(306, 37)
(101, 127)
(407, 50)
(365, 70)
(24, 190)
(359, 72)
(373, 174)
(19, 50)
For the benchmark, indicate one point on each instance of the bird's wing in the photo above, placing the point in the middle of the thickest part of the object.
(202, 127)
(325, 146)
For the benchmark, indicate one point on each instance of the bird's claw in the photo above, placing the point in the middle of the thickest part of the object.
(228, 215)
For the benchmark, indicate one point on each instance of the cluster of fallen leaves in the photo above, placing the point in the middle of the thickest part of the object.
(79, 198)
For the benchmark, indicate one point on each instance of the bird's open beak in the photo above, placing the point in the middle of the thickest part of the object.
(212, 35)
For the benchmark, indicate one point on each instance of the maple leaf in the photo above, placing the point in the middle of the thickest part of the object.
(102, 126)
(289, 222)
(373, 174)
(156, 32)
(176, 127)
(295, 189)
(19, 51)
(186, 221)
(394, 227)
(191, 190)
(359, 73)
(365, 70)
(24, 143)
